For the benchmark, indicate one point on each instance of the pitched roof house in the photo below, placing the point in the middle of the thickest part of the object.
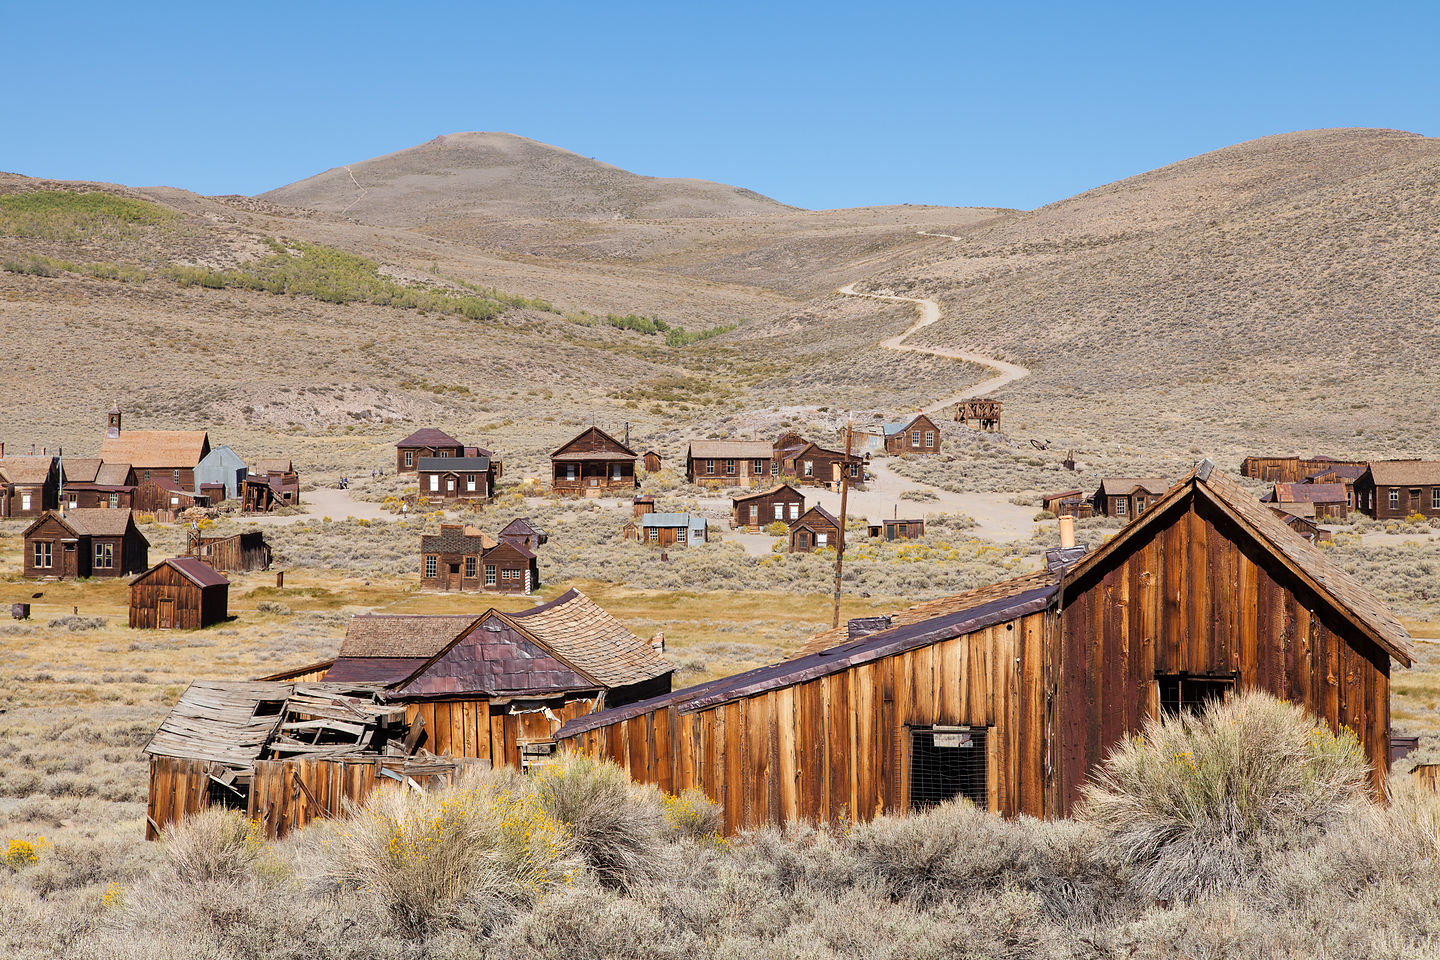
(1010, 695)
(1127, 497)
(730, 462)
(1396, 489)
(464, 558)
(781, 503)
(28, 486)
(449, 479)
(667, 529)
(918, 435)
(169, 454)
(593, 464)
(816, 528)
(1322, 500)
(181, 593)
(426, 442)
(85, 542)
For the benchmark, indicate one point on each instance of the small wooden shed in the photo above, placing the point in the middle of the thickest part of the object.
(816, 528)
(237, 553)
(898, 529)
(181, 593)
(651, 460)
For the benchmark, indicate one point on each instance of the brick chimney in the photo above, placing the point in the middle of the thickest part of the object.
(657, 642)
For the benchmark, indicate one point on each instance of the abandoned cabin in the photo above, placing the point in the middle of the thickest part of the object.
(1126, 498)
(85, 542)
(282, 470)
(1291, 469)
(181, 593)
(262, 494)
(499, 685)
(1011, 694)
(1396, 489)
(237, 553)
(1304, 526)
(813, 465)
(816, 528)
(667, 529)
(163, 497)
(91, 482)
(782, 503)
(452, 479)
(1343, 474)
(426, 442)
(284, 753)
(28, 485)
(524, 532)
(652, 461)
(221, 475)
(460, 557)
(1320, 501)
(730, 463)
(593, 464)
(171, 455)
(897, 529)
(918, 435)
(1068, 503)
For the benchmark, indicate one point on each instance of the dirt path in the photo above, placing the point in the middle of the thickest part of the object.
(326, 502)
(1005, 372)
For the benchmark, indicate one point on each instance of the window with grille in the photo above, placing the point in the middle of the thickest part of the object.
(431, 564)
(929, 438)
(1394, 499)
(105, 555)
(1186, 693)
(947, 763)
(730, 468)
(709, 466)
(409, 458)
(44, 553)
(1435, 498)
(680, 535)
(759, 468)
(489, 574)
(1121, 507)
(469, 568)
(654, 533)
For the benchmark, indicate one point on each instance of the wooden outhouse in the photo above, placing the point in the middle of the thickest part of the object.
(730, 463)
(816, 528)
(782, 503)
(426, 442)
(593, 464)
(181, 593)
(1396, 489)
(651, 460)
(87, 542)
(1012, 694)
(918, 435)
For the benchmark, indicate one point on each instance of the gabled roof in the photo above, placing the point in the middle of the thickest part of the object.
(113, 474)
(737, 498)
(522, 526)
(156, 448)
(508, 546)
(900, 426)
(402, 634)
(599, 441)
(866, 649)
(99, 522)
(732, 449)
(453, 464)
(586, 635)
(196, 571)
(429, 437)
(1329, 581)
(816, 509)
(800, 454)
(1309, 493)
(274, 465)
(223, 454)
(1400, 473)
(81, 469)
(26, 469)
(1060, 495)
(1124, 486)
(1345, 471)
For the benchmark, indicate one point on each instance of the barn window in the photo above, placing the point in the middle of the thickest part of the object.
(489, 574)
(430, 566)
(947, 763)
(469, 568)
(1394, 498)
(1184, 693)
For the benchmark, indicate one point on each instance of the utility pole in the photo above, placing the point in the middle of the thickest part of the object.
(840, 539)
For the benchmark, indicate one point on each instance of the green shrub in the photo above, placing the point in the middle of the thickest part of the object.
(1198, 804)
(613, 823)
(68, 215)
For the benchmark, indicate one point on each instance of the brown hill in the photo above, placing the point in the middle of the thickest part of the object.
(505, 176)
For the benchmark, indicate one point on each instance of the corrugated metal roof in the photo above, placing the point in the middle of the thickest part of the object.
(200, 572)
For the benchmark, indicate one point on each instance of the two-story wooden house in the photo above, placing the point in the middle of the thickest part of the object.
(456, 479)
(594, 464)
(91, 482)
(425, 442)
(172, 455)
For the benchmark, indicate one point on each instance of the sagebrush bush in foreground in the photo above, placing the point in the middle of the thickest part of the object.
(1199, 804)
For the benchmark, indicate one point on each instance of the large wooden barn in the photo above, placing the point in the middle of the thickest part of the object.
(497, 686)
(1011, 694)
(593, 464)
(181, 593)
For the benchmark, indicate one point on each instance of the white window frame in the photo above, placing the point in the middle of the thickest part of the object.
(680, 535)
(409, 458)
(809, 468)
(759, 467)
(779, 511)
(489, 574)
(794, 511)
(929, 438)
(821, 539)
(1435, 498)
(730, 467)
(653, 534)
(914, 438)
(619, 472)
(432, 566)
(114, 499)
(44, 554)
(175, 475)
(570, 473)
(470, 483)
(709, 468)
(25, 500)
(434, 483)
(1394, 498)
(1122, 509)
(105, 556)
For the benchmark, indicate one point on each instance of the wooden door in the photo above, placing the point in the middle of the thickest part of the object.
(165, 613)
(1414, 500)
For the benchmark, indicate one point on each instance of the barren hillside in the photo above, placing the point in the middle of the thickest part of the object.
(505, 176)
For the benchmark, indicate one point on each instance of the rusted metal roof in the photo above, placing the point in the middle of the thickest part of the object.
(1309, 493)
(198, 571)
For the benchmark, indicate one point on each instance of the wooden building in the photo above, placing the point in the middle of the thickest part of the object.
(1345, 475)
(652, 461)
(813, 465)
(85, 542)
(181, 593)
(816, 528)
(1325, 501)
(262, 494)
(1306, 527)
(782, 503)
(1291, 469)
(898, 529)
(456, 479)
(667, 529)
(1068, 503)
(1012, 694)
(171, 455)
(594, 464)
(524, 532)
(1396, 489)
(918, 435)
(28, 486)
(237, 553)
(986, 413)
(498, 686)
(730, 463)
(1125, 498)
(283, 470)
(427, 442)
(464, 558)
(163, 497)
(91, 482)
(284, 753)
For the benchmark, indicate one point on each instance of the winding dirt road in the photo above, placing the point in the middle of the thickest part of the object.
(1005, 372)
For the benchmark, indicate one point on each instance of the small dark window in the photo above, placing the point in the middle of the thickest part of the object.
(1183, 693)
(946, 763)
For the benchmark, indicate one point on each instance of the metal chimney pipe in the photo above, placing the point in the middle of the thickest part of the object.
(1067, 532)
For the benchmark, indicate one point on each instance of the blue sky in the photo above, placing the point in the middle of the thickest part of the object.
(818, 105)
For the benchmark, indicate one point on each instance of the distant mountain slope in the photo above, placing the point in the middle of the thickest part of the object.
(502, 175)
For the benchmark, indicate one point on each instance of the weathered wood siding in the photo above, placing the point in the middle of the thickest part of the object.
(765, 509)
(477, 728)
(1190, 599)
(837, 748)
(178, 789)
(194, 607)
